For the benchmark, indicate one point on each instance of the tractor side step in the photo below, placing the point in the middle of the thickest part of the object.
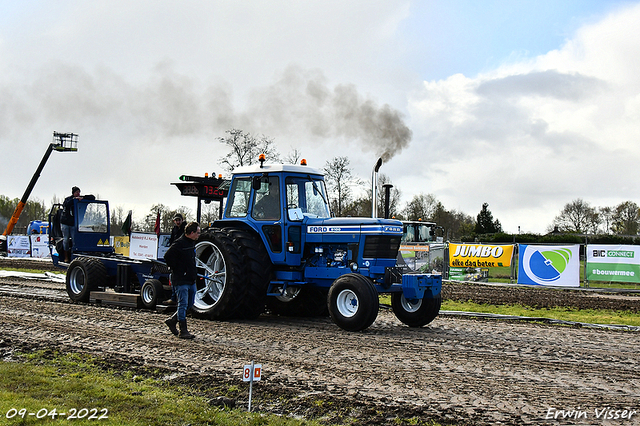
(119, 299)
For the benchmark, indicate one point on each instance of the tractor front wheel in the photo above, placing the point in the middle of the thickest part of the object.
(353, 302)
(415, 313)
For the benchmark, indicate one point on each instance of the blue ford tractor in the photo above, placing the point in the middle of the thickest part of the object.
(277, 246)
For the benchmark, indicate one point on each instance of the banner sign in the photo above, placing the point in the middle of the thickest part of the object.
(613, 263)
(40, 245)
(18, 246)
(163, 245)
(479, 255)
(549, 265)
(121, 245)
(143, 246)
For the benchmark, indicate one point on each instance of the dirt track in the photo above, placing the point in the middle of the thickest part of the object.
(456, 371)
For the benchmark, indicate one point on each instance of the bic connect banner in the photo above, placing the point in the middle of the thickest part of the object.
(479, 255)
(549, 265)
(613, 263)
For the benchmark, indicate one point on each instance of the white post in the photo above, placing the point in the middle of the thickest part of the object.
(251, 385)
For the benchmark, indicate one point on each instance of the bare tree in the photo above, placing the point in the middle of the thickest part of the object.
(246, 149)
(166, 218)
(394, 197)
(606, 218)
(209, 213)
(456, 224)
(118, 216)
(339, 178)
(293, 157)
(421, 207)
(577, 216)
(361, 207)
(626, 218)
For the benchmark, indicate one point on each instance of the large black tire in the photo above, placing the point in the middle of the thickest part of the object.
(415, 313)
(306, 301)
(219, 259)
(151, 293)
(258, 272)
(353, 302)
(85, 275)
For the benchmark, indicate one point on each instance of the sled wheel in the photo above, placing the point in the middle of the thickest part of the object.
(84, 275)
(151, 293)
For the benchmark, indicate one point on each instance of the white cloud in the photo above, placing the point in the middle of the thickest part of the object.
(532, 136)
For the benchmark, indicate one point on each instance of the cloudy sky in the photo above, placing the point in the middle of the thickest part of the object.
(524, 105)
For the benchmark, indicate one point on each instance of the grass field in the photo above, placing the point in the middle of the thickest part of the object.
(51, 389)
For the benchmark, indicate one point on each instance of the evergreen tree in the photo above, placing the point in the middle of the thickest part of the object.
(485, 223)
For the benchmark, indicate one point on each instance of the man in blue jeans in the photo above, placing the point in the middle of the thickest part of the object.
(67, 221)
(181, 258)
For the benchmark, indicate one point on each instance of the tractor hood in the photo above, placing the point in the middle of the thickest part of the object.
(349, 229)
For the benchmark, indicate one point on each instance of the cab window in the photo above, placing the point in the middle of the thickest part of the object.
(266, 202)
(238, 202)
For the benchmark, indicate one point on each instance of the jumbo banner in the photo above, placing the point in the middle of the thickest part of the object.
(613, 263)
(479, 255)
(549, 265)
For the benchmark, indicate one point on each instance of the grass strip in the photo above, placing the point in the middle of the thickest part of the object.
(48, 386)
(591, 316)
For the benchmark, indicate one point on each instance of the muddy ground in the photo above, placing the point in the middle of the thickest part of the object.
(454, 371)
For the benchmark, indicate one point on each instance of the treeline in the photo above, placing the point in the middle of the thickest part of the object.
(349, 195)
(34, 210)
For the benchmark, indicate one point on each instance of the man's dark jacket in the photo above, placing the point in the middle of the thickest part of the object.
(67, 211)
(177, 232)
(181, 258)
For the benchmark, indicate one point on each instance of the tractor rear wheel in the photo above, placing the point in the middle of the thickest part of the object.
(223, 282)
(415, 313)
(353, 302)
(258, 272)
(151, 293)
(84, 275)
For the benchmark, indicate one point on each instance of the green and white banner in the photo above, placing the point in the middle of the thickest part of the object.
(613, 263)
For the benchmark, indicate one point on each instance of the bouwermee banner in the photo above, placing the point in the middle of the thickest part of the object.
(479, 255)
(619, 263)
(549, 265)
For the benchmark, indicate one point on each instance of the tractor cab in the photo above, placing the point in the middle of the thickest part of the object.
(277, 200)
(90, 233)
